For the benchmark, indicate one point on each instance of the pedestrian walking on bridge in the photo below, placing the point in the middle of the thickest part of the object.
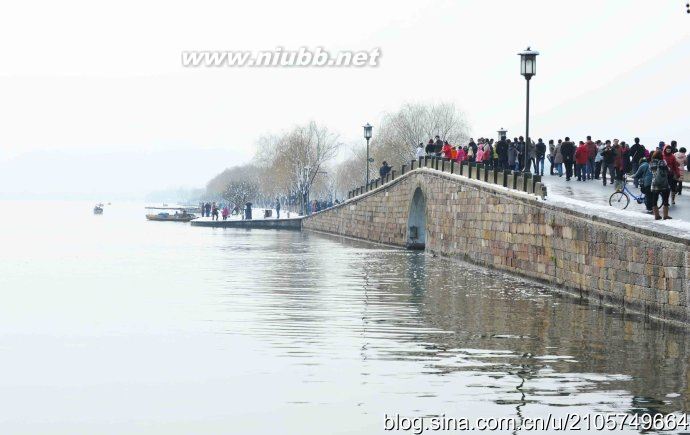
(568, 153)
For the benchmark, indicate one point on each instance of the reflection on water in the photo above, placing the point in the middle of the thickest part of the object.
(124, 326)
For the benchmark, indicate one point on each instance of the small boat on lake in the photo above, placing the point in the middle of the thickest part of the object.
(178, 216)
(98, 209)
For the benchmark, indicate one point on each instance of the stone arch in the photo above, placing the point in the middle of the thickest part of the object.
(416, 221)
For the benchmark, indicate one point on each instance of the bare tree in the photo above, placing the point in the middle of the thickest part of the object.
(237, 185)
(299, 157)
(351, 172)
(240, 192)
(400, 132)
(296, 163)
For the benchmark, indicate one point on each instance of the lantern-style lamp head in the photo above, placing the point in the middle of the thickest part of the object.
(367, 131)
(502, 133)
(528, 63)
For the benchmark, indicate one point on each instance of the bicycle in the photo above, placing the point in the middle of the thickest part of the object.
(621, 197)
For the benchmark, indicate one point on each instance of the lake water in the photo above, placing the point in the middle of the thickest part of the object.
(114, 325)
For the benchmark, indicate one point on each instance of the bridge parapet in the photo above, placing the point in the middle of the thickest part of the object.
(514, 180)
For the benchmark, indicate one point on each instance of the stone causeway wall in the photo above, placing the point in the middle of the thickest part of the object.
(517, 232)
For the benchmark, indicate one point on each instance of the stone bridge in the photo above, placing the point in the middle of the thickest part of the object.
(502, 223)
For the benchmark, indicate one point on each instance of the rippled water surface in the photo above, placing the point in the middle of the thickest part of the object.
(114, 325)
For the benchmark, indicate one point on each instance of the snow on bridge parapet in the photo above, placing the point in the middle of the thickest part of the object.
(523, 182)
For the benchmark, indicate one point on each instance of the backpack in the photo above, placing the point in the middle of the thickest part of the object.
(659, 175)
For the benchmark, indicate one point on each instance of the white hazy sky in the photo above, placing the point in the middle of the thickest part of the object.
(94, 100)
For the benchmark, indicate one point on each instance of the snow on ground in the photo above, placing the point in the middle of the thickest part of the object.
(632, 215)
(591, 197)
(257, 214)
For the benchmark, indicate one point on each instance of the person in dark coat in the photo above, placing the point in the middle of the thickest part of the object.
(502, 151)
(660, 187)
(438, 146)
(568, 153)
(540, 151)
(430, 147)
(277, 208)
(522, 153)
(384, 170)
(608, 159)
(636, 154)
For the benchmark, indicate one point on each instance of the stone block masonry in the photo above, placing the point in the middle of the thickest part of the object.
(632, 268)
(271, 224)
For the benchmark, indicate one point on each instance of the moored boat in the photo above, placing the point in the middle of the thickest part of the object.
(168, 217)
(98, 209)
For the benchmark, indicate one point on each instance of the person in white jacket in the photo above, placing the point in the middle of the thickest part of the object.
(420, 151)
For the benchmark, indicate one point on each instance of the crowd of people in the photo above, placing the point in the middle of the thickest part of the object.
(213, 210)
(658, 173)
(516, 155)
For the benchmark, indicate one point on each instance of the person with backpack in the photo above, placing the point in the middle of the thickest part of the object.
(643, 178)
(660, 186)
(673, 171)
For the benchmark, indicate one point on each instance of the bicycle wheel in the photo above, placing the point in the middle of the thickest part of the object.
(619, 200)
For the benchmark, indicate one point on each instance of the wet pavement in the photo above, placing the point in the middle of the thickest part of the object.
(594, 192)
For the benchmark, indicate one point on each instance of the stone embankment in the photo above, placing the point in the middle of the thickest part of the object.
(272, 224)
(505, 223)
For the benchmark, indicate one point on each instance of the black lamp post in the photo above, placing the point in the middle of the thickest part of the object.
(501, 133)
(367, 136)
(528, 68)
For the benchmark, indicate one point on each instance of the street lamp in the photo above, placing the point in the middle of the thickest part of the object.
(367, 136)
(528, 68)
(502, 133)
(303, 177)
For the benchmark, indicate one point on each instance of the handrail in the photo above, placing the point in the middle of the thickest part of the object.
(515, 180)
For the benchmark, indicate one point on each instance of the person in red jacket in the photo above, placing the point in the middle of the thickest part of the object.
(581, 159)
(619, 160)
(673, 171)
(447, 150)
